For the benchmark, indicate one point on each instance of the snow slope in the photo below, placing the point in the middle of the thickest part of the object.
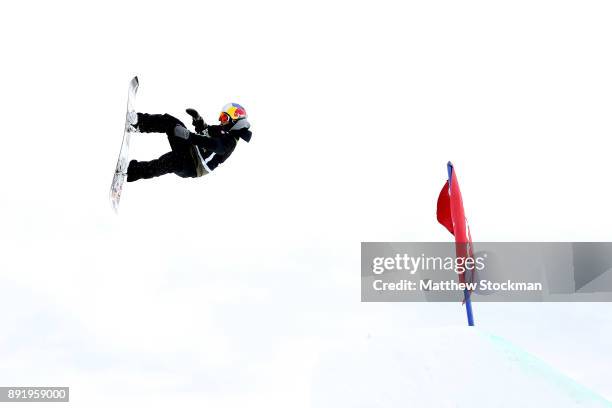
(450, 367)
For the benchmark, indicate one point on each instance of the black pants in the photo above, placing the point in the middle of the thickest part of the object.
(179, 161)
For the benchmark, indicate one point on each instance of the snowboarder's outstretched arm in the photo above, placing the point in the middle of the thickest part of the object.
(196, 120)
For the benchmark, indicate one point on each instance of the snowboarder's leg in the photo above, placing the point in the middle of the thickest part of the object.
(167, 163)
(179, 161)
(149, 123)
(171, 162)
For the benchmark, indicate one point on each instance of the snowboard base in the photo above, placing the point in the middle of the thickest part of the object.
(123, 162)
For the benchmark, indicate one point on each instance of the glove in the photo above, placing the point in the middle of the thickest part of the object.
(197, 121)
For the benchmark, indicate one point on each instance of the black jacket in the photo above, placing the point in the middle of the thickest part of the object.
(214, 148)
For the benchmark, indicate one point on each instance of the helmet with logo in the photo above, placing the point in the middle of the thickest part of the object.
(231, 114)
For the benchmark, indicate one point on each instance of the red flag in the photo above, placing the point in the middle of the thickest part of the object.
(451, 215)
(444, 211)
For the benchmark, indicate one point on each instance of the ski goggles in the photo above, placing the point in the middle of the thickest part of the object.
(224, 118)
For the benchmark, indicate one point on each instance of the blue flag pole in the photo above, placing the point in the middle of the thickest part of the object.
(468, 307)
(466, 292)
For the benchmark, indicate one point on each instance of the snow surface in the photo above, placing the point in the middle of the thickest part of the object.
(451, 367)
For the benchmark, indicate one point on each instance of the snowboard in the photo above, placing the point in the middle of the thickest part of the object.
(122, 163)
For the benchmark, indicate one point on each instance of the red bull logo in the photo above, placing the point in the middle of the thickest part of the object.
(239, 112)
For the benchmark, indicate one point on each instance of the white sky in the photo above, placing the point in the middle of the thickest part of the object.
(222, 290)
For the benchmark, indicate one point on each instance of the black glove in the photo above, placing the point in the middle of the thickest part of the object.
(244, 133)
(197, 122)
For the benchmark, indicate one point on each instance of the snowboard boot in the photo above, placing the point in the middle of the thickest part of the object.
(133, 171)
(132, 120)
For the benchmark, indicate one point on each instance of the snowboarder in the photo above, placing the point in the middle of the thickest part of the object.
(192, 154)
